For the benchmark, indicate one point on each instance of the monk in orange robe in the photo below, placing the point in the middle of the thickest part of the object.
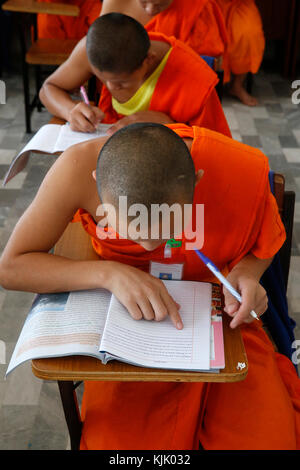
(199, 24)
(146, 78)
(242, 232)
(68, 27)
(246, 44)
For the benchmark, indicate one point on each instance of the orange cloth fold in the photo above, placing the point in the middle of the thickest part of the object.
(262, 412)
(199, 24)
(246, 41)
(185, 90)
(68, 27)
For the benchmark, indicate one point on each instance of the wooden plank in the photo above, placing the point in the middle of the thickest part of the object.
(31, 6)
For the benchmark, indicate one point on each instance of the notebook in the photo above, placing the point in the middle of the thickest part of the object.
(51, 138)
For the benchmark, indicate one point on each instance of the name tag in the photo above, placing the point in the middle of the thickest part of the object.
(166, 271)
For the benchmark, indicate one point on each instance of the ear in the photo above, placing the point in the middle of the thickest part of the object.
(199, 175)
(94, 175)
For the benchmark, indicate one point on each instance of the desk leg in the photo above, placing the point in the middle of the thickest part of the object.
(71, 411)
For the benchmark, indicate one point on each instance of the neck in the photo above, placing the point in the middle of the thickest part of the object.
(157, 51)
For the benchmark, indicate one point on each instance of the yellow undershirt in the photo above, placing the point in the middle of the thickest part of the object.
(140, 101)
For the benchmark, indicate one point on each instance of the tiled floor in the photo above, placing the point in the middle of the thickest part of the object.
(31, 416)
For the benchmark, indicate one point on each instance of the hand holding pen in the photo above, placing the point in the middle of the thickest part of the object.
(253, 294)
(85, 117)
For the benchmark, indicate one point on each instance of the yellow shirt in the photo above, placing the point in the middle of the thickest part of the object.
(140, 101)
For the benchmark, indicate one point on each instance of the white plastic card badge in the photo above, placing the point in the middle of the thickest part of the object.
(166, 271)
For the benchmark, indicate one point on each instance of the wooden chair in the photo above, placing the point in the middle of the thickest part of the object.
(50, 52)
(286, 205)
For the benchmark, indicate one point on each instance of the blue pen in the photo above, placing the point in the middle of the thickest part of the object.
(223, 279)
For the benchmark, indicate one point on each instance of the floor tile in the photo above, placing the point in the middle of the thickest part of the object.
(31, 414)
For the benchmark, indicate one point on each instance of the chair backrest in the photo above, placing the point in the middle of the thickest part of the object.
(275, 279)
(286, 205)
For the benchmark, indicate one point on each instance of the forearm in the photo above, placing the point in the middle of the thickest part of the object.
(154, 116)
(57, 101)
(255, 267)
(44, 272)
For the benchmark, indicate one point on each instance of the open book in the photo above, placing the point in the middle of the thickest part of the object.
(95, 323)
(51, 138)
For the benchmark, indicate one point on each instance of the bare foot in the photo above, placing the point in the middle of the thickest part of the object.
(240, 93)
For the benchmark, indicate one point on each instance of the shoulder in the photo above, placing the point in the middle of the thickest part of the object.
(206, 138)
(187, 63)
(228, 161)
(80, 158)
(72, 171)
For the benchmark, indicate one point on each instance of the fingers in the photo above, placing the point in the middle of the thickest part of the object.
(172, 308)
(121, 123)
(117, 126)
(155, 304)
(252, 300)
(85, 118)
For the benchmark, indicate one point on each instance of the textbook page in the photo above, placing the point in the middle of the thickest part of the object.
(62, 324)
(160, 344)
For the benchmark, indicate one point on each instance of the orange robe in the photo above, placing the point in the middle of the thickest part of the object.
(246, 41)
(261, 412)
(69, 27)
(185, 90)
(198, 24)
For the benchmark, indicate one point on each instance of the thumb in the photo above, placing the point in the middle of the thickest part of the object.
(231, 304)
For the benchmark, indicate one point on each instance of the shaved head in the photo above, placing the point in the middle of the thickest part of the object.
(117, 43)
(148, 163)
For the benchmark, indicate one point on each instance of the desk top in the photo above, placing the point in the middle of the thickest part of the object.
(76, 244)
(32, 6)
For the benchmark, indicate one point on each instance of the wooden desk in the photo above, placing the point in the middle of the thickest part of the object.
(76, 244)
(50, 52)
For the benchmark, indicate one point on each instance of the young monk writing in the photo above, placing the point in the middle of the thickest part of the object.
(246, 44)
(198, 24)
(146, 78)
(149, 164)
(68, 27)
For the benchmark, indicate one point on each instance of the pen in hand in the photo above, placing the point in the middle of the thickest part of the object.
(84, 95)
(223, 279)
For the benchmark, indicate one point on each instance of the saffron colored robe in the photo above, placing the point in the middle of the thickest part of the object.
(261, 412)
(185, 90)
(198, 24)
(246, 41)
(68, 27)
